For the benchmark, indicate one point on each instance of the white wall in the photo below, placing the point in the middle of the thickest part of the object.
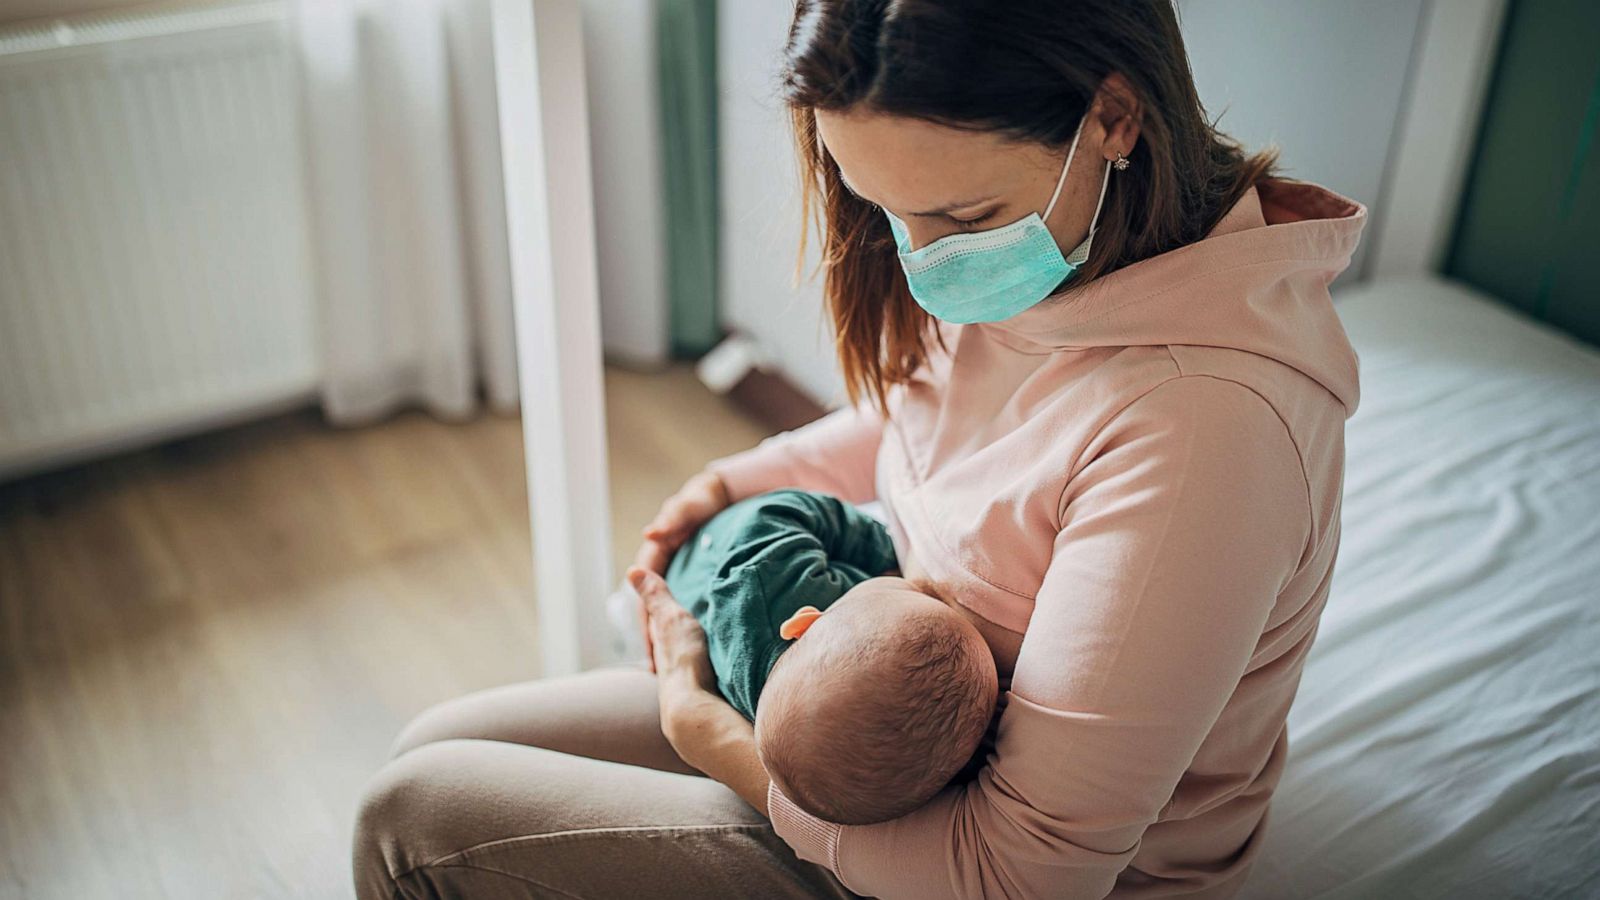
(625, 150)
(1321, 78)
(760, 201)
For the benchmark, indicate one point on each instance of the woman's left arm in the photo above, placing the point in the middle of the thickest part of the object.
(1176, 537)
(703, 728)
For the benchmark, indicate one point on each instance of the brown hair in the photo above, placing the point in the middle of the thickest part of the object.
(1028, 69)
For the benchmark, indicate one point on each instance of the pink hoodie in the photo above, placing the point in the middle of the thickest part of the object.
(1139, 484)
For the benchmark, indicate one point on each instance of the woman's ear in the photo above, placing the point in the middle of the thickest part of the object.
(1119, 113)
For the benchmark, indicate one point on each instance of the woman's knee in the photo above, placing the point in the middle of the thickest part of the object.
(440, 722)
(491, 818)
(386, 815)
(608, 714)
(418, 808)
(513, 713)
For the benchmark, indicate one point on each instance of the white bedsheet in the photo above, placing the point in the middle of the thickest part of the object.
(1446, 738)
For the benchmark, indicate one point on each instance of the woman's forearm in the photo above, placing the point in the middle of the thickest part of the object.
(728, 754)
(834, 454)
(701, 726)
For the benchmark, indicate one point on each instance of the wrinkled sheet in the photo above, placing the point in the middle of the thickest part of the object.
(1446, 737)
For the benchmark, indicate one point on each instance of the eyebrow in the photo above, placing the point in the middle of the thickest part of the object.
(941, 211)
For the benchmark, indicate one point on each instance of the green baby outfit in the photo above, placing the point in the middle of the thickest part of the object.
(753, 565)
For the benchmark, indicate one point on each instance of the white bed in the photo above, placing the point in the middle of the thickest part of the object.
(1446, 738)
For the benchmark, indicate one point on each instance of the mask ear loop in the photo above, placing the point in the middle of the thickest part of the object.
(1105, 182)
(1080, 253)
(1062, 181)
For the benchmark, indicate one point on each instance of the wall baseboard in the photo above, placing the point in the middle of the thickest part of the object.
(737, 369)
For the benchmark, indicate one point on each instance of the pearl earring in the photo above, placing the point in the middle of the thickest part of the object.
(1121, 163)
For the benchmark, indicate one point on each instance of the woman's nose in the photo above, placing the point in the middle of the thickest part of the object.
(921, 235)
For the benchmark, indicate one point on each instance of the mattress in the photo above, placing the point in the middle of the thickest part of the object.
(1446, 738)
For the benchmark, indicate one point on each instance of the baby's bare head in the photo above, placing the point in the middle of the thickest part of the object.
(877, 706)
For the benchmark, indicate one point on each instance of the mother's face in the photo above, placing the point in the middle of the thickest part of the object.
(941, 180)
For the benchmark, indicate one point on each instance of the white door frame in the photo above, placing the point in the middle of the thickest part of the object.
(544, 143)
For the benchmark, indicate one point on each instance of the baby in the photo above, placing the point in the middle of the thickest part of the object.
(868, 693)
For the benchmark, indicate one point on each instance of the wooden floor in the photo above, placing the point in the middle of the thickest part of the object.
(205, 648)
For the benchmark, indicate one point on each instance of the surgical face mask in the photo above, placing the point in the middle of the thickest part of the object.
(987, 276)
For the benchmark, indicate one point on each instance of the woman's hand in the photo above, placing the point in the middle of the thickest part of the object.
(706, 732)
(701, 497)
(677, 642)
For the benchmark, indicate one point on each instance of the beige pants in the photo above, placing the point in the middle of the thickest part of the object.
(563, 788)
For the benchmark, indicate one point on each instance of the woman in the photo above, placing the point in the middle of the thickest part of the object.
(1099, 386)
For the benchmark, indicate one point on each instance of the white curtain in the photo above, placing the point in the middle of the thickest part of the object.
(408, 211)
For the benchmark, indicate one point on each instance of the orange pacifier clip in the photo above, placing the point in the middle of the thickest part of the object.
(799, 622)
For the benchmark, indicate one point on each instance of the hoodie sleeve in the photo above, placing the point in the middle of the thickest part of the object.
(1188, 515)
(837, 454)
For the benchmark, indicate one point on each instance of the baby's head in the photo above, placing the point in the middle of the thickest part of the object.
(877, 706)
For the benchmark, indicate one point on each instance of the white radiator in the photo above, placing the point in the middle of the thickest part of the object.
(155, 268)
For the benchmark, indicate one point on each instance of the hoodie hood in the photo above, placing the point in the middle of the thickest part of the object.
(1257, 283)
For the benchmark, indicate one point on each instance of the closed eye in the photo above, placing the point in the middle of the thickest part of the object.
(969, 223)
